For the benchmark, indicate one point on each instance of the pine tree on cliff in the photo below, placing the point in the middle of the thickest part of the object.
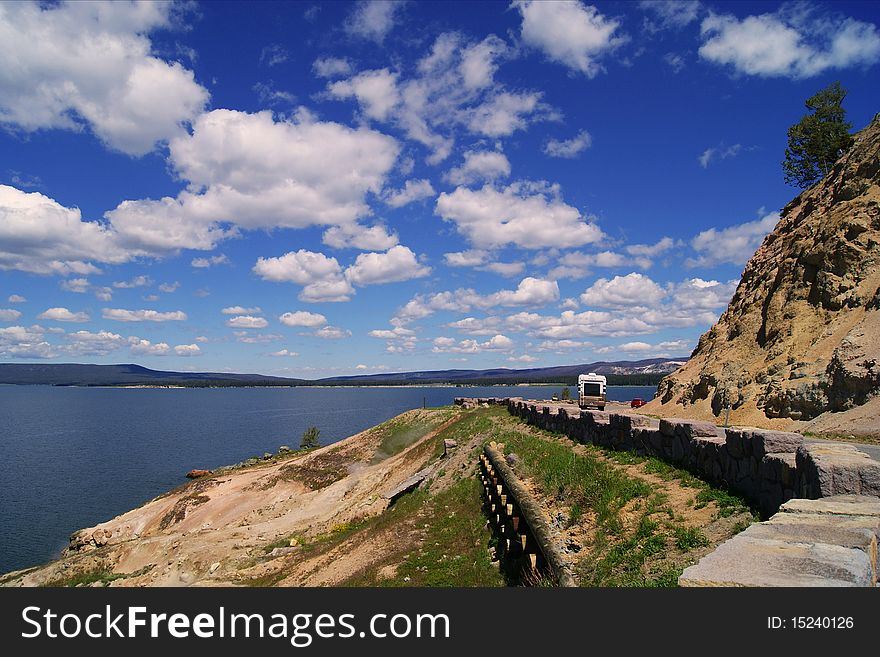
(818, 139)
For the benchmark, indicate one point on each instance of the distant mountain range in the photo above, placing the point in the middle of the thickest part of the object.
(71, 374)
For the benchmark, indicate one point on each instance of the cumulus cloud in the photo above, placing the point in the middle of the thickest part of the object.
(373, 19)
(63, 315)
(247, 321)
(570, 33)
(376, 92)
(479, 166)
(356, 236)
(576, 264)
(332, 333)
(631, 290)
(168, 288)
(122, 315)
(241, 310)
(141, 347)
(187, 350)
(8, 315)
(396, 264)
(274, 54)
(528, 215)
(77, 285)
(531, 292)
(651, 250)
(86, 343)
(41, 236)
(25, 342)
(331, 67)
(796, 41)
(16, 298)
(734, 245)
(320, 275)
(452, 88)
(413, 190)
(569, 148)
(251, 171)
(137, 281)
(448, 345)
(205, 263)
(284, 352)
(95, 68)
(303, 318)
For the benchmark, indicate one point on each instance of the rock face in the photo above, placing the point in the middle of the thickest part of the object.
(801, 335)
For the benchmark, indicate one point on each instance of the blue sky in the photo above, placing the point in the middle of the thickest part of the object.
(311, 189)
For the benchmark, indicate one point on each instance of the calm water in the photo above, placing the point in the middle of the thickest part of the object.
(74, 457)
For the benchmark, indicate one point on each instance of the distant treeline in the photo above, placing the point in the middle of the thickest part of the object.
(613, 379)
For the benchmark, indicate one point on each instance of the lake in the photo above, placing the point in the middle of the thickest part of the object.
(73, 457)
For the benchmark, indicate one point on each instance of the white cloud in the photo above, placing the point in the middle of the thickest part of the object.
(249, 337)
(479, 166)
(448, 345)
(187, 350)
(40, 236)
(122, 315)
(671, 13)
(631, 290)
(103, 293)
(143, 347)
(25, 342)
(274, 54)
(63, 315)
(398, 332)
(506, 269)
(77, 285)
(373, 19)
(570, 33)
(532, 292)
(303, 318)
(413, 190)
(332, 333)
(241, 310)
(16, 298)
(75, 64)
(320, 275)
(576, 265)
(721, 152)
(470, 258)
(563, 345)
(247, 321)
(529, 215)
(397, 264)
(251, 171)
(331, 67)
(506, 112)
(168, 288)
(696, 293)
(734, 245)
(284, 352)
(569, 148)
(376, 92)
(794, 42)
(356, 236)
(9, 315)
(202, 338)
(205, 263)
(651, 250)
(675, 61)
(525, 358)
(86, 343)
(137, 281)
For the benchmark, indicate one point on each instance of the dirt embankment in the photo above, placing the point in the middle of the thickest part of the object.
(220, 529)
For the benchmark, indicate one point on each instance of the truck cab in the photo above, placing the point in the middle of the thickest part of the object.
(591, 391)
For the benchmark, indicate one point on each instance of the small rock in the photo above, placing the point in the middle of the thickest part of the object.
(406, 579)
(267, 456)
(293, 542)
(214, 566)
(283, 449)
(281, 551)
(512, 459)
(195, 474)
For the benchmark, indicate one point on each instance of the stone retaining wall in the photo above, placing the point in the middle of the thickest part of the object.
(766, 467)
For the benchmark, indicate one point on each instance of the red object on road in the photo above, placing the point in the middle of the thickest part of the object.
(636, 403)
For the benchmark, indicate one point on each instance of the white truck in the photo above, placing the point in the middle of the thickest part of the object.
(591, 391)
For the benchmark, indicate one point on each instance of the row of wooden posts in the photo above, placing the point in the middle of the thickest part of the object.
(516, 545)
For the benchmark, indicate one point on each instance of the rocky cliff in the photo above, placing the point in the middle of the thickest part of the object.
(799, 344)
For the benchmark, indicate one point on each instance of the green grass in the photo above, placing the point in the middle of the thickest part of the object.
(689, 538)
(98, 574)
(400, 433)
